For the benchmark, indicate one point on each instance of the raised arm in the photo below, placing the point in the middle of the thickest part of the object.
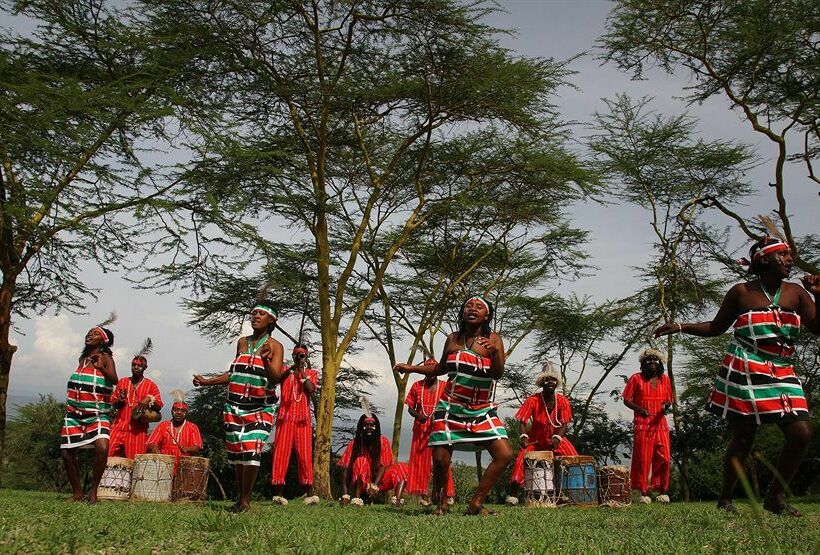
(105, 364)
(272, 354)
(725, 317)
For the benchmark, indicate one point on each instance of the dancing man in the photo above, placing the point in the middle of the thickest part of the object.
(649, 394)
(756, 383)
(248, 412)
(368, 465)
(421, 401)
(293, 427)
(178, 436)
(129, 434)
(466, 415)
(87, 422)
(550, 414)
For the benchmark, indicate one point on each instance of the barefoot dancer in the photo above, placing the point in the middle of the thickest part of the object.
(368, 465)
(248, 412)
(293, 427)
(649, 394)
(465, 417)
(550, 414)
(421, 401)
(87, 422)
(756, 383)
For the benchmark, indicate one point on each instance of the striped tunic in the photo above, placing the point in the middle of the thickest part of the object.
(87, 409)
(248, 412)
(466, 414)
(756, 381)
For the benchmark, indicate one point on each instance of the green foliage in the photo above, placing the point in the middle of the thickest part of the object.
(32, 456)
(40, 522)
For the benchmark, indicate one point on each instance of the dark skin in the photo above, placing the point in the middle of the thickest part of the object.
(105, 365)
(774, 268)
(548, 394)
(430, 386)
(475, 314)
(138, 368)
(370, 435)
(649, 370)
(178, 416)
(272, 354)
(298, 368)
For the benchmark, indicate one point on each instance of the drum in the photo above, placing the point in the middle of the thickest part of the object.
(116, 479)
(191, 479)
(577, 480)
(539, 479)
(153, 477)
(614, 486)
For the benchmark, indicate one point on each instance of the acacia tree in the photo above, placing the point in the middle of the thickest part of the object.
(659, 164)
(760, 55)
(82, 96)
(331, 107)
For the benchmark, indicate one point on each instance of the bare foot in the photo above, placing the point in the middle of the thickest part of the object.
(439, 511)
(91, 499)
(239, 508)
(478, 510)
(77, 497)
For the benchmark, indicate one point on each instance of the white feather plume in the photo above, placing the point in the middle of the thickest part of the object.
(365, 404)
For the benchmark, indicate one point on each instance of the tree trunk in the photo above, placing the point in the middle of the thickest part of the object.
(6, 353)
(676, 420)
(401, 390)
(324, 428)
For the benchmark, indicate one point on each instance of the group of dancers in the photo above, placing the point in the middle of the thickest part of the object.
(756, 384)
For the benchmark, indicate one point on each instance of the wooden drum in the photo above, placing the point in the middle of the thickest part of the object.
(153, 477)
(539, 479)
(577, 480)
(116, 479)
(191, 479)
(614, 486)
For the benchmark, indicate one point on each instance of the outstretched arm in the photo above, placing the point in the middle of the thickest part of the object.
(220, 379)
(431, 369)
(726, 315)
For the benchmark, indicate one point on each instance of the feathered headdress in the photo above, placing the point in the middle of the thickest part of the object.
(548, 370)
(774, 241)
(146, 349)
(107, 335)
(648, 352)
(365, 404)
(179, 398)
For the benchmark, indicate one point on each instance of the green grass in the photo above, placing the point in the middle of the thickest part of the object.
(36, 522)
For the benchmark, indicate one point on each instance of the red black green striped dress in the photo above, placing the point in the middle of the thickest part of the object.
(756, 382)
(466, 414)
(248, 411)
(87, 408)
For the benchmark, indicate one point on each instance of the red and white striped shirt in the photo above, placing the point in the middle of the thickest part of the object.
(294, 403)
(643, 392)
(169, 439)
(133, 397)
(424, 399)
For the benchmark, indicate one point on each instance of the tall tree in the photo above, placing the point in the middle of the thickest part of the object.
(760, 55)
(330, 108)
(84, 95)
(659, 164)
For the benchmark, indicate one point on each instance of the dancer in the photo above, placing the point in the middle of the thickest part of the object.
(293, 427)
(87, 422)
(756, 383)
(550, 415)
(248, 412)
(137, 393)
(466, 416)
(178, 436)
(649, 394)
(368, 465)
(421, 401)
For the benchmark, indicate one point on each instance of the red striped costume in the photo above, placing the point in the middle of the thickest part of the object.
(87, 409)
(361, 471)
(466, 414)
(293, 430)
(424, 400)
(248, 412)
(651, 446)
(169, 439)
(756, 382)
(545, 424)
(129, 437)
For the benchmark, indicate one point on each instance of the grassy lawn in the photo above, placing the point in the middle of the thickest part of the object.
(36, 522)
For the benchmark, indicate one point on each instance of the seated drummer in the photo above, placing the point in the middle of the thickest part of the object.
(369, 467)
(550, 414)
(177, 436)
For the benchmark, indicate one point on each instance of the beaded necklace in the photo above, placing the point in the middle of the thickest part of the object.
(423, 391)
(557, 422)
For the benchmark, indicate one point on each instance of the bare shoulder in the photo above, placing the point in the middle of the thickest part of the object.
(496, 339)
(275, 344)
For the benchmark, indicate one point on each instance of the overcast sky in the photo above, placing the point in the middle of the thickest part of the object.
(619, 234)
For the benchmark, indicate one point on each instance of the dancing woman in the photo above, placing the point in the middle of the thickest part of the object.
(466, 417)
(248, 412)
(87, 420)
(756, 383)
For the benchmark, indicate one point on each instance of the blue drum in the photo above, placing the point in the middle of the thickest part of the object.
(577, 479)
